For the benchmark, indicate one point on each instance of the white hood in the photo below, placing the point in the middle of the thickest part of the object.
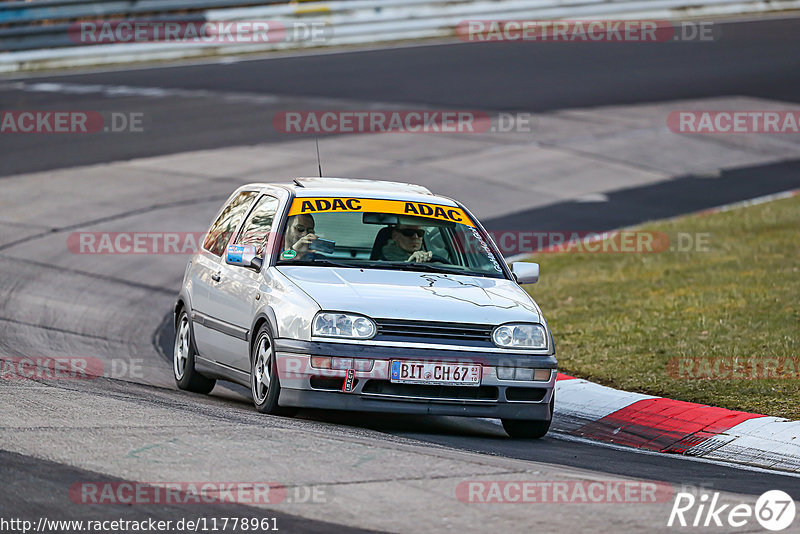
(422, 296)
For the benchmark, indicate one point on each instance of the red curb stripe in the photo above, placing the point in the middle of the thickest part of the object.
(663, 425)
(562, 376)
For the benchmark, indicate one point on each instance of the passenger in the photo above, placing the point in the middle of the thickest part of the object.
(406, 245)
(299, 235)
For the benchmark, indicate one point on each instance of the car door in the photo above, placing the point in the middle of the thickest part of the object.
(235, 297)
(206, 272)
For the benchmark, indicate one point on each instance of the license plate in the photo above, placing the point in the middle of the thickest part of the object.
(442, 374)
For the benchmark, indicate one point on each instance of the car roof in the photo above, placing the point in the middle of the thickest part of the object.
(349, 187)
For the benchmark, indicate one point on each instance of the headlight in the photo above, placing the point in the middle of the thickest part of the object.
(328, 324)
(520, 336)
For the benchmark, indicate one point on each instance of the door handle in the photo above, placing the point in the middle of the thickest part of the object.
(215, 276)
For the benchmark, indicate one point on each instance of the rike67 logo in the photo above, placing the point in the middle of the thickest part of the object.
(774, 510)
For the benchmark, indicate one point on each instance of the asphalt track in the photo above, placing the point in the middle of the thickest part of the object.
(757, 59)
(234, 103)
(49, 482)
(635, 205)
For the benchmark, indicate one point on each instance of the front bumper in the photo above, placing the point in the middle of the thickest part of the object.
(305, 386)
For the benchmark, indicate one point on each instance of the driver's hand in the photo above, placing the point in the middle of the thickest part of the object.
(420, 256)
(301, 247)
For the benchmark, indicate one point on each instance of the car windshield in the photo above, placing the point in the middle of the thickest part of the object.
(385, 234)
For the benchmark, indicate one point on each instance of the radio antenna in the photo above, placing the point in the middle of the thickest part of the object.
(319, 161)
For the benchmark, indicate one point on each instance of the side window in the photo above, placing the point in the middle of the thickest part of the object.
(220, 232)
(257, 226)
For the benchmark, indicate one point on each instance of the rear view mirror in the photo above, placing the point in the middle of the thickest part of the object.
(525, 272)
(243, 256)
(410, 220)
(387, 219)
(379, 218)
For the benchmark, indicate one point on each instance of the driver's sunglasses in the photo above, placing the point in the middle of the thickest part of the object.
(411, 232)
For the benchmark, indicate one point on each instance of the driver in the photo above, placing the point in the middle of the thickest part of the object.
(406, 245)
(300, 234)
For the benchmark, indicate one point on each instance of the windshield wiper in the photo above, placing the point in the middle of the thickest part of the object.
(401, 265)
(320, 261)
(427, 267)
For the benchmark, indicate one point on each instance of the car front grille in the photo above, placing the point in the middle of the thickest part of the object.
(478, 335)
(423, 391)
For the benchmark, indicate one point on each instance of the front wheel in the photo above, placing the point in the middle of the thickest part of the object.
(264, 382)
(525, 429)
(183, 353)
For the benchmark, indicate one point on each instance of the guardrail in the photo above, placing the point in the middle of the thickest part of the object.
(30, 46)
(41, 10)
(45, 23)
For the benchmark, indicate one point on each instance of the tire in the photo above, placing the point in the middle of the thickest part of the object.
(525, 429)
(183, 353)
(265, 385)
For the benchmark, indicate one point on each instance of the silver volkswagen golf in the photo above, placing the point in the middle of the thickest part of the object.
(363, 295)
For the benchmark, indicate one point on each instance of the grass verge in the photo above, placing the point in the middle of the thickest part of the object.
(693, 325)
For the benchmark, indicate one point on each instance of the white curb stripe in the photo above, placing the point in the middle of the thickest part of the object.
(590, 401)
(766, 442)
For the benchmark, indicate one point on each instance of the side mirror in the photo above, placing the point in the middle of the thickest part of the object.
(525, 272)
(243, 256)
